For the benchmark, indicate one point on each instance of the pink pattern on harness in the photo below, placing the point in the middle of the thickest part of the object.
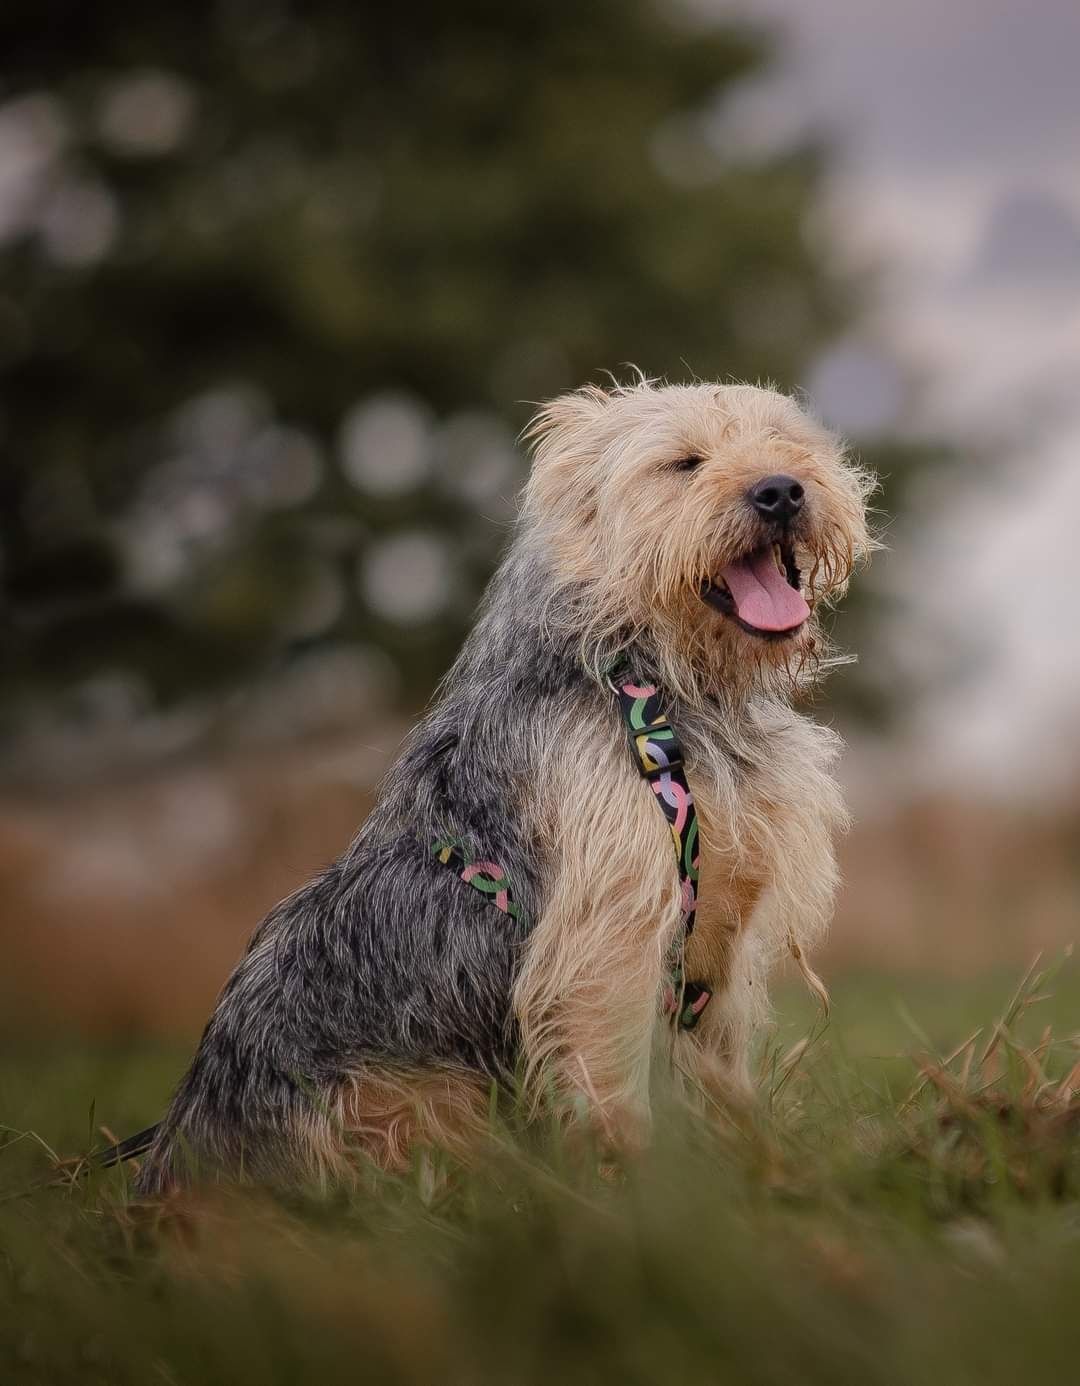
(495, 871)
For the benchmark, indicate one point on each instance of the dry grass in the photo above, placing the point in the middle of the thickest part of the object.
(873, 1218)
(902, 1204)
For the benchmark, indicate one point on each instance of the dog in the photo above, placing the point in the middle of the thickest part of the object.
(512, 914)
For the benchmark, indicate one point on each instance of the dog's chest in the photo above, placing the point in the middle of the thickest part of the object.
(745, 838)
(734, 862)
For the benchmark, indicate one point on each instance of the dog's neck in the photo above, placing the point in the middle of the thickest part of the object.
(703, 680)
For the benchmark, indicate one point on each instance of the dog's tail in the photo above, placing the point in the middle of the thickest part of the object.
(127, 1149)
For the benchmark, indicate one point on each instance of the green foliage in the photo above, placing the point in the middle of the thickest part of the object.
(873, 1220)
(304, 206)
(228, 225)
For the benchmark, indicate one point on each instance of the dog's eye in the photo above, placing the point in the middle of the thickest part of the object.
(689, 463)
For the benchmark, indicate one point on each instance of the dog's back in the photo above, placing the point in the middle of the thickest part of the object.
(386, 962)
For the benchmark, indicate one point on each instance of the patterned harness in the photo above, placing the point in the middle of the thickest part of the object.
(658, 756)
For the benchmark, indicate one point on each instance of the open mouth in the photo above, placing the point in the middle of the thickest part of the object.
(760, 592)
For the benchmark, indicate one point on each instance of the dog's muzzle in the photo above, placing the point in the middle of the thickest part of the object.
(762, 590)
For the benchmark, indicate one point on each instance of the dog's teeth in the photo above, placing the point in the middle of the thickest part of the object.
(778, 558)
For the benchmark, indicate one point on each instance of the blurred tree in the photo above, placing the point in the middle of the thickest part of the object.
(273, 276)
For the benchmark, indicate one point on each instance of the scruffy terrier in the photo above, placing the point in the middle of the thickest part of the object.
(513, 911)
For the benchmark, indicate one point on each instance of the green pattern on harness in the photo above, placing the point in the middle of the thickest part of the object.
(488, 877)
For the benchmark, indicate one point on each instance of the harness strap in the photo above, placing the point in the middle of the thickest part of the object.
(658, 754)
(488, 877)
(659, 758)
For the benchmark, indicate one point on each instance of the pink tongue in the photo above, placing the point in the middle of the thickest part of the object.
(763, 596)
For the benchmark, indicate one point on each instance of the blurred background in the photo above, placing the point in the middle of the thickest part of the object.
(278, 285)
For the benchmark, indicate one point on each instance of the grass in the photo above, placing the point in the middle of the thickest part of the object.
(902, 1205)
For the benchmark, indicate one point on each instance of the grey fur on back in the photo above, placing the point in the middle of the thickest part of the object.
(387, 956)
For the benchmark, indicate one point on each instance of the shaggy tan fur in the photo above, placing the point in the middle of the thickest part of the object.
(388, 1116)
(634, 540)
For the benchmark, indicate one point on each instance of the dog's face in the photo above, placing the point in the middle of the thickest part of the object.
(709, 513)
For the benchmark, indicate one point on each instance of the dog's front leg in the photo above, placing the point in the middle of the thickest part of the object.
(587, 999)
(713, 1059)
(587, 1011)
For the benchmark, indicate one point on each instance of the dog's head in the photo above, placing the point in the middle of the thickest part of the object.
(716, 517)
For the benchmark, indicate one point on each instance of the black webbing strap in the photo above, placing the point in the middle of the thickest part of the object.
(659, 759)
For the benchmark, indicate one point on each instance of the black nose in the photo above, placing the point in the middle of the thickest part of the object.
(777, 497)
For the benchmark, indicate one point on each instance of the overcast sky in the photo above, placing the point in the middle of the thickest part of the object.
(957, 125)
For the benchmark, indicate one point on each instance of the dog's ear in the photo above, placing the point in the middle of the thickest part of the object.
(567, 437)
(566, 427)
